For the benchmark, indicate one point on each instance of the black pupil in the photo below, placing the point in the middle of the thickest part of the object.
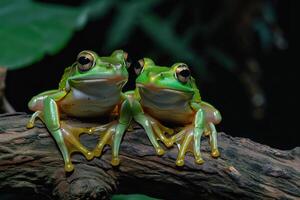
(185, 73)
(138, 66)
(83, 60)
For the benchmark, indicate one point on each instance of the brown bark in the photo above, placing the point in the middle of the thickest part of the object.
(31, 166)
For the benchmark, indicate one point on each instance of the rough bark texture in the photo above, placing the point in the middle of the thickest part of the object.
(31, 166)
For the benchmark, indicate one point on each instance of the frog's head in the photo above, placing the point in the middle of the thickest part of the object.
(176, 78)
(90, 70)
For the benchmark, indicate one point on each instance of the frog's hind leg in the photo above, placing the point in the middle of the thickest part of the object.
(36, 114)
(213, 140)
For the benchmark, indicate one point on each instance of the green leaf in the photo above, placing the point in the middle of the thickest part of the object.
(98, 8)
(125, 21)
(29, 30)
(224, 60)
(132, 197)
(166, 38)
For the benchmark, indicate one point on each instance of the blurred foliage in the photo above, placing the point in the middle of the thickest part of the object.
(29, 30)
(231, 34)
(32, 29)
(132, 197)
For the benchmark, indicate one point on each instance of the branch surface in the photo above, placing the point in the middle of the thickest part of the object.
(31, 166)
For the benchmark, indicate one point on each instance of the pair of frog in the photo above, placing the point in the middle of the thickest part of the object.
(92, 87)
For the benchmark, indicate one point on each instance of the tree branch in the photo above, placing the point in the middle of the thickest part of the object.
(31, 166)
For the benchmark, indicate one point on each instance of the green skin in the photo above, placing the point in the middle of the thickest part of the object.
(93, 92)
(160, 94)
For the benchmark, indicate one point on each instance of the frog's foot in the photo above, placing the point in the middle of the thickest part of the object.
(106, 137)
(71, 139)
(160, 130)
(31, 122)
(185, 140)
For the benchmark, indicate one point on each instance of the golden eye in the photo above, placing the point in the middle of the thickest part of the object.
(138, 68)
(85, 61)
(126, 58)
(183, 73)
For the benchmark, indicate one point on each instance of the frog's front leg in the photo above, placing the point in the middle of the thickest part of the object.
(213, 140)
(114, 132)
(67, 141)
(123, 123)
(192, 134)
(140, 117)
(36, 114)
(198, 131)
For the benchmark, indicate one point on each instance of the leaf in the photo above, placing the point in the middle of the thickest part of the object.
(164, 35)
(29, 30)
(98, 8)
(223, 59)
(125, 20)
(132, 197)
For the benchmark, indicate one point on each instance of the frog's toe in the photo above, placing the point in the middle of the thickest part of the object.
(90, 131)
(115, 161)
(69, 167)
(180, 162)
(215, 153)
(30, 125)
(199, 160)
(169, 143)
(160, 151)
(89, 155)
(97, 152)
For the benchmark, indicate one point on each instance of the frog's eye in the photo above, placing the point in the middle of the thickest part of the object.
(183, 73)
(127, 61)
(85, 61)
(139, 68)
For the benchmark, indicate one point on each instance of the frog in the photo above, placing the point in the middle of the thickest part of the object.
(170, 95)
(90, 88)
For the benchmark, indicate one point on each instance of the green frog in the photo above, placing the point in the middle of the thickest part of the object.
(170, 95)
(90, 88)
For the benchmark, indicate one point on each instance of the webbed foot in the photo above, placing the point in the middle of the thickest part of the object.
(186, 143)
(67, 138)
(160, 130)
(106, 136)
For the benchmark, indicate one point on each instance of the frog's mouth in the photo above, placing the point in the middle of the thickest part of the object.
(118, 81)
(153, 88)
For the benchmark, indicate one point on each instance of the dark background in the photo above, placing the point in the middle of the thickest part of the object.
(266, 72)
